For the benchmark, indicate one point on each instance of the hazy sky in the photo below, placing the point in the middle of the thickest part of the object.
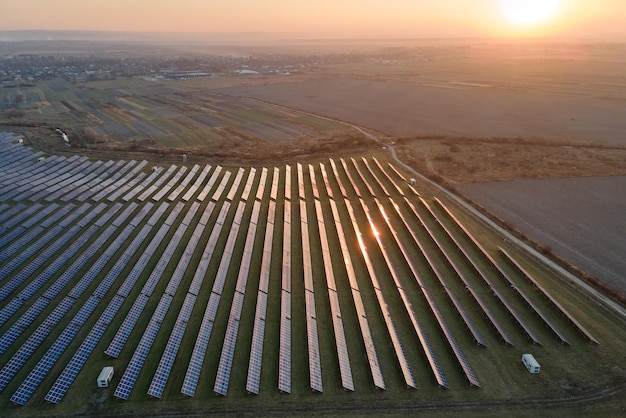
(337, 18)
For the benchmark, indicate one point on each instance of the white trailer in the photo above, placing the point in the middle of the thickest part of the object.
(105, 377)
(531, 363)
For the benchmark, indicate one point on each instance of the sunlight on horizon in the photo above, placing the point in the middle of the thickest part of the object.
(327, 18)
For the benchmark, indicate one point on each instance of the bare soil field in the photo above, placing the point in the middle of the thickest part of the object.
(580, 219)
(400, 108)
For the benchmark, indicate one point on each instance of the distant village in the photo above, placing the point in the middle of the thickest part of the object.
(16, 67)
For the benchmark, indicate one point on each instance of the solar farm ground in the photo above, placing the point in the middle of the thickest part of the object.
(332, 286)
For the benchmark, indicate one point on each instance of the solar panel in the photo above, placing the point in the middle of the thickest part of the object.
(274, 190)
(350, 179)
(554, 302)
(481, 273)
(202, 341)
(395, 339)
(431, 263)
(284, 356)
(222, 186)
(235, 186)
(207, 188)
(127, 382)
(172, 196)
(196, 185)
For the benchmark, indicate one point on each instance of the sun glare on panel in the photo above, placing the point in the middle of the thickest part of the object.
(528, 11)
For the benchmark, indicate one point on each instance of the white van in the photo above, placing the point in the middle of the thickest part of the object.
(531, 363)
(105, 377)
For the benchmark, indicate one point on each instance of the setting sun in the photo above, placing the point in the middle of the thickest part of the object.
(528, 11)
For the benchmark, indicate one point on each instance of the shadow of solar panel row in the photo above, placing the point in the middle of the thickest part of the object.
(384, 308)
(433, 267)
(546, 294)
(483, 275)
(493, 321)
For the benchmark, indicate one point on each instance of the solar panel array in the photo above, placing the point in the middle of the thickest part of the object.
(456, 349)
(485, 277)
(284, 351)
(64, 260)
(315, 366)
(409, 379)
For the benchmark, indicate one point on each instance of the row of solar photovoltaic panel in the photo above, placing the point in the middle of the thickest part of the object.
(128, 325)
(494, 322)
(391, 328)
(368, 341)
(124, 184)
(47, 254)
(432, 264)
(483, 274)
(562, 338)
(72, 369)
(284, 352)
(460, 356)
(11, 233)
(253, 381)
(50, 294)
(20, 190)
(33, 380)
(192, 375)
(228, 349)
(315, 369)
(552, 300)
